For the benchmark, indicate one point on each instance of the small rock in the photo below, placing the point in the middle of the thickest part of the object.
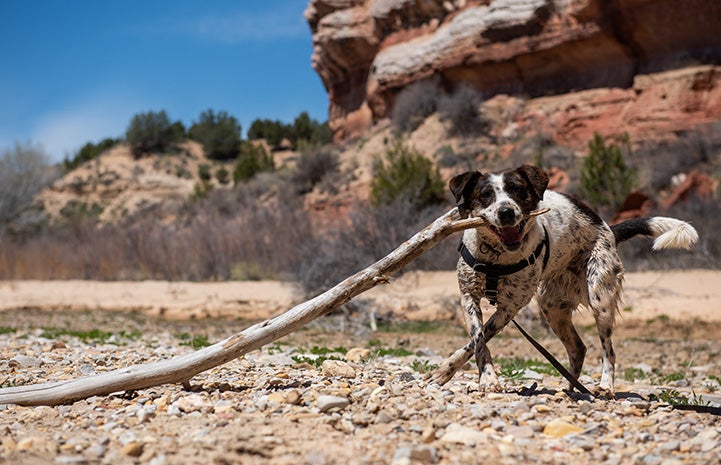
(457, 434)
(24, 361)
(428, 435)
(585, 407)
(521, 432)
(384, 417)
(339, 368)
(326, 403)
(276, 397)
(133, 449)
(558, 428)
(405, 455)
(293, 397)
(191, 403)
(357, 354)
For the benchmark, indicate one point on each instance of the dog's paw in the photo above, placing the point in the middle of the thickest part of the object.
(488, 381)
(604, 392)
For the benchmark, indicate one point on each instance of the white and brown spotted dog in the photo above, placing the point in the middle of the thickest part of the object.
(566, 257)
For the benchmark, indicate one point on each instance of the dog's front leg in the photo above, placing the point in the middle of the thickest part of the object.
(487, 380)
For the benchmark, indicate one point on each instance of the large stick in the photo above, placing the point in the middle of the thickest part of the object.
(184, 367)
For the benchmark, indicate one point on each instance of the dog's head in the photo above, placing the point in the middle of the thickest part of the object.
(502, 199)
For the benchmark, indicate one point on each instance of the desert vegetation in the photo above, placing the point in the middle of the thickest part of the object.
(258, 226)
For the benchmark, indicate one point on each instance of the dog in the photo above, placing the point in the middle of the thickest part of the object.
(566, 257)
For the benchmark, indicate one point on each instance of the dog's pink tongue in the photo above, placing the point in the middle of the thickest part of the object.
(510, 235)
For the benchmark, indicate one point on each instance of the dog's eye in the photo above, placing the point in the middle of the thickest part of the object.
(516, 189)
(486, 195)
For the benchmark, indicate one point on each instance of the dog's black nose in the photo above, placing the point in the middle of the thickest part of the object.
(507, 216)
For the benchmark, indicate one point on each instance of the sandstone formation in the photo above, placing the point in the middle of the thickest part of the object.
(367, 51)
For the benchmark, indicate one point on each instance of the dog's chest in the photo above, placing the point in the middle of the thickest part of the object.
(514, 290)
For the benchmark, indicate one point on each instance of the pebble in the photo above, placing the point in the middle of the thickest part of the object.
(558, 428)
(358, 354)
(458, 434)
(407, 455)
(326, 403)
(24, 361)
(338, 368)
(261, 408)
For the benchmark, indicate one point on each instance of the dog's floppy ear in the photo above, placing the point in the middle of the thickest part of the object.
(461, 186)
(536, 178)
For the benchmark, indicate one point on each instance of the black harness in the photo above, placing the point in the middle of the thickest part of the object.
(494, 272)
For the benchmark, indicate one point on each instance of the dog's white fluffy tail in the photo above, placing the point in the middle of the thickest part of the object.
(669, 233)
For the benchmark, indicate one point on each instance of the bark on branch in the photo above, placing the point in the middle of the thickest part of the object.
(182, 368)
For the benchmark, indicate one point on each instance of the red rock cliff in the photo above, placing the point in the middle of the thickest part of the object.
(366, 51)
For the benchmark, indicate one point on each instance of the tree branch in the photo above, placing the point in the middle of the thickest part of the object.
(182, 368)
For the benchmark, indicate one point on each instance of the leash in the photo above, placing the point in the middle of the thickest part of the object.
(553, 360)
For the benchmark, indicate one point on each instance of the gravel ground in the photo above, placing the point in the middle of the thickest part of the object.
(367, 403)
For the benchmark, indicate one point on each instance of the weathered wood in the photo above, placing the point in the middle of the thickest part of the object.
(182, 368)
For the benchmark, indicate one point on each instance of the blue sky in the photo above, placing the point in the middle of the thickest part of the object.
(74, 71)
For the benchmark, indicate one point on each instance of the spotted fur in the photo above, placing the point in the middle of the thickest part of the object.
(583, 267)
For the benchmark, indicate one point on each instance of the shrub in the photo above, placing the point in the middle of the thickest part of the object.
(273, 131)
(24, 171)
(462, 110)
(204, 172)
(313, 166)
(308, 130)
(252, 160)
(606, 180)
(222, 175)
(153, 132)
(89, 152)
(219, 133)
(414, 104)
(373, 232)
(304, 130)
(406, 175)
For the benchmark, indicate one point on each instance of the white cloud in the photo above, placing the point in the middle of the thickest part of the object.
(63, 132)
(242, 26)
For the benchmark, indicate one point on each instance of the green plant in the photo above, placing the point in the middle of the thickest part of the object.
(406, 175)
(674, 397)
(87, 336)
(423, 367)
(7, 330)
(314, 361)
(88, 152)
(392, 351)
(606, 179)
(219, 133)
(671, 377)
(204, 172)
(153, 132)
(252, 160)
(197, 341)
(201, 189)
(222, 175)
(632, 374)
(316, 350)
(515, 367)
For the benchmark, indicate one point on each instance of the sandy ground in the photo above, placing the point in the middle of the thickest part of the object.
(683, 295)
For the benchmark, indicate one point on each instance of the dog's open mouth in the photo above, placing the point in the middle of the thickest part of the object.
(510, 236)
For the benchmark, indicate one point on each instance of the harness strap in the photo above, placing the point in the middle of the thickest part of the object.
(493, 272)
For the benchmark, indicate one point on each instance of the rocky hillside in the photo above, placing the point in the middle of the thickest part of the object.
(638, 66)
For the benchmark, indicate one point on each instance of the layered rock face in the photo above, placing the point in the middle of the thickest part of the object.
(366, 51)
